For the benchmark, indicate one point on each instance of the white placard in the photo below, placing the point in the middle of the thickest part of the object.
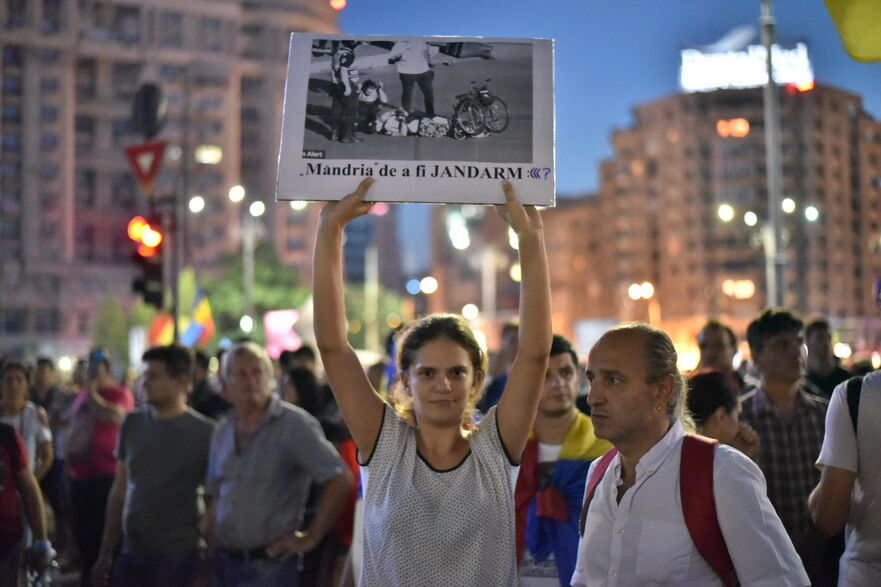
(431, 119)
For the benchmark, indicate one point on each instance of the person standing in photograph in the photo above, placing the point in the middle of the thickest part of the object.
(438, 489)
(412, 60)
(344, 108)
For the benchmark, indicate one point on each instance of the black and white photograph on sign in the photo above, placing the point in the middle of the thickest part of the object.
(432, 119)
(371, 99)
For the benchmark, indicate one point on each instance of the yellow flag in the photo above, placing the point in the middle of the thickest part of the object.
(859, 25)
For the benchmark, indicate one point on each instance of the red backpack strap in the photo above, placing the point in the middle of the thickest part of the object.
(699, 505)
(595, 476)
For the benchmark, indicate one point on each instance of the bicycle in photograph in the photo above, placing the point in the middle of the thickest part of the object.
(478, 111)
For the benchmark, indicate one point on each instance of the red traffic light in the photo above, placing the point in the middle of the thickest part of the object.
(148, 236)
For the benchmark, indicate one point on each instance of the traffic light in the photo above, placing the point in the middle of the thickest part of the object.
(148, 235)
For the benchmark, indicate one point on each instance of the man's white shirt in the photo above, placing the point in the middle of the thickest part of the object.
(643, 539)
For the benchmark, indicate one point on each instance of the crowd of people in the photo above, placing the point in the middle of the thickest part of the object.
(444, 469)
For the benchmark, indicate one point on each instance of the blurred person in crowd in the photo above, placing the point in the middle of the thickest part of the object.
(263, 460)
(324, 565)
(715, 408)
(153, 508)
(550, 486)
(790, 423)
(824, 370)
(438, 489)
(718, 347)
(96, 415)
(28, 419)
(56, 399)
(21, 505)
(500, 364)
(848, 496)
(205, 398)
(635, 531)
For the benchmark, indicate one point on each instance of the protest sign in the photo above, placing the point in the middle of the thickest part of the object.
(431, 119)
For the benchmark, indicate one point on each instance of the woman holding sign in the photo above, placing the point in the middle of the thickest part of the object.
(438, 490)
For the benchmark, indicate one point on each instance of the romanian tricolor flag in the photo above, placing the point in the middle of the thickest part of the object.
(859, 25)
(548, 501)
(200, 328)
(161, 331)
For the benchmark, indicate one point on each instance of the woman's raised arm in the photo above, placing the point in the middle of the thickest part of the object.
(516, 411)
(361, 407)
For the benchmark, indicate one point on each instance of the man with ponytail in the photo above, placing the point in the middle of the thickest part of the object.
(638, 495)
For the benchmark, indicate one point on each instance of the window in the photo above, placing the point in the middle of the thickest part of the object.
(47, 321)
(11, 85)
(124, 79)
(15, 321)
(84, 180)
(11, 114)
(15, 13)
(121, 129)
(51, 16)
(48, 113)
(86, 78)
(49, 142)
(13, 56)
(171, 29)
(85, 134)
(211, 34)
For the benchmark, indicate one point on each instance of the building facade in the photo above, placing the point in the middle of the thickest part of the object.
(682, 205)
(70, 70)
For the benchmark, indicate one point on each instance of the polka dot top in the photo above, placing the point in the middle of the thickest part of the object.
(424, 527)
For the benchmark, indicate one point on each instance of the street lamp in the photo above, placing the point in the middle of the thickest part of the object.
(646, 291)
(250, 229)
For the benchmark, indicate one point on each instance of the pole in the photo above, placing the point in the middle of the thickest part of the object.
(371, 297)
(248, 224)
(488, 266)
(775, 254)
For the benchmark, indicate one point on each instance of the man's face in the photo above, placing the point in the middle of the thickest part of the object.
(782, 358)
(622, 403)
(820, 343)
(560, 386)
(160, 387)
(246, 380)
(717, 352)
(44, 377)
(14, 387)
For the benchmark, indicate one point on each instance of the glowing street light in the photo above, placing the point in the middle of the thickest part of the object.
(256, 209)
(246, 323)
(726, 213)
(236, 193)
(298, 205)
(812, 213)
(788, 205)
(197, 204)
(750, 218)
(428, 285)
(470, 311)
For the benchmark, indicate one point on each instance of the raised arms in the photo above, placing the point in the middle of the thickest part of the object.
(362, 408)
(519, 402)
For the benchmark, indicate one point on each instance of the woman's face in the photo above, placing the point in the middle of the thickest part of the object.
(442, 382)
(729, 423)
(15, 387)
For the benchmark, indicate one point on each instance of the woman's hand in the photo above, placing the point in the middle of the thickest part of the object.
(351, 207)
(523, 219)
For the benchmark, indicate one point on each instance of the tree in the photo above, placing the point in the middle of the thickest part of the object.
(276, 287)
(111, 330)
